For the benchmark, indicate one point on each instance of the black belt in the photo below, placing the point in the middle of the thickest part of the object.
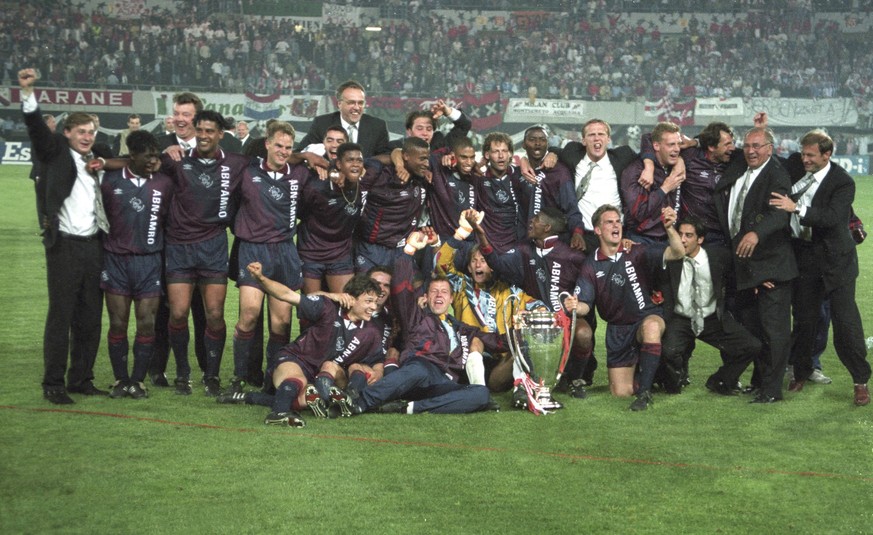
(76, 237)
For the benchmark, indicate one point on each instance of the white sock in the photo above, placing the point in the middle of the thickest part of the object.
(475, 368)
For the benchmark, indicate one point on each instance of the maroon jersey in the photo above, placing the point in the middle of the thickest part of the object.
(329, 217)
(269, 202)
(449, 194)
(391, 209)
(332, 336)
(136, 213)
(205, 198)
(505, 221)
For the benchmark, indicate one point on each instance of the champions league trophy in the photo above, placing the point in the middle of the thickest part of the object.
(540, 343)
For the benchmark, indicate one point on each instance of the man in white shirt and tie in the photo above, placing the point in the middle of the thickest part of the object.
(73, 220)
(694, 309)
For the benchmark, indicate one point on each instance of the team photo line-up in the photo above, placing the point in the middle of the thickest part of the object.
(402, 259)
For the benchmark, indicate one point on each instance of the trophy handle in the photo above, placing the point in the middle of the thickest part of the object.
(511, 316)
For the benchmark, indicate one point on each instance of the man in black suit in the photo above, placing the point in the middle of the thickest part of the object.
(820, 205)
(71, 210)
(242, 134)
(694, 308)
(596, 179)
(365, 130)
(763, 260)
(423, 125)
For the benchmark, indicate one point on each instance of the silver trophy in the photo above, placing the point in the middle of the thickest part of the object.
(538, 344)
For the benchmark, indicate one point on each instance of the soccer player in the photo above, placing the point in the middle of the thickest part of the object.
(265, 225)
(618, 281)
(497, 194)
(392, 207)
(335, 332)
(331, 211)
(644, 203)
(206, 181)
(545, 268)
(137, 199)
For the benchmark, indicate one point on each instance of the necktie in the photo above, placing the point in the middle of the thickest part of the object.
(185, 146)
(99, 211)
(696, 298)
(796, 195)
(586, 180)
(353, 133)
(737, 216)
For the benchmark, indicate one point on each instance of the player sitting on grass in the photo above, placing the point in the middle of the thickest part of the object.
(335, 332)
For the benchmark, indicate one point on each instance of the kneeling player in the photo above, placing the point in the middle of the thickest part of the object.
(617, 280)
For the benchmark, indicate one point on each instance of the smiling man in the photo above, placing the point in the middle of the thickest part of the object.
(367, 131)
(266, 224)
(336, 332)
(435, 353)
(206, 181)
(642, 211)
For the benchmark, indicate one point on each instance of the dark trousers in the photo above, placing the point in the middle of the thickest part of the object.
(432, 391)
(766, 313)
(809, 293)
(737, 345)
(75, 310)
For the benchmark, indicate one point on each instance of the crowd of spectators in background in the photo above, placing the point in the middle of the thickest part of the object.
(597, 52)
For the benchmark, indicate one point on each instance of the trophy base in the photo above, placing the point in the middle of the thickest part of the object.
(545, 399)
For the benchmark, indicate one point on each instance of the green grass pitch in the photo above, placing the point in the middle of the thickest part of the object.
(695, 463)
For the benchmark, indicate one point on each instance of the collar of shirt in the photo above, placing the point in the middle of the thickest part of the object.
(755, 172)
(600, 256)
(347, 124)
(821, 173)
(195, 154)
(700, 259)
(190, 142)
(133, 177)
(548, 244)
(348, 322)
(284, 171)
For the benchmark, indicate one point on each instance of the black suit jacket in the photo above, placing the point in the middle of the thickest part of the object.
(246, 144)
(719, 270)
(829, 215)
(620, 157)
(58, 172)
(230, 144)
(773, 258)
(372, 133)
(440, 141)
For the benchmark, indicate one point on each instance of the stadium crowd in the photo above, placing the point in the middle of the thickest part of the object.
(399, 259)
(782, 50)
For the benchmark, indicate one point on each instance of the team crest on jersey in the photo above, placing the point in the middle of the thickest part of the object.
(339, 344)
(617, 279)
(137, 204)
(205, 180)
(276, 193)
(462, 199)
(351, 209)
(541, 275)
(360, 260)
(104, 276)
(502, 196)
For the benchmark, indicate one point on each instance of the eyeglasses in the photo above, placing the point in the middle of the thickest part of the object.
(756, 146)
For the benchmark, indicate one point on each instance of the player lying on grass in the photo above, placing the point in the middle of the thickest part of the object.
(335, 332)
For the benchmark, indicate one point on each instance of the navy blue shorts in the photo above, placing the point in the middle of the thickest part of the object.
(308, 370)
(279, 262)
(622, 348)
(136, 276)
(368, 255)
(204, 261)
(317, 270)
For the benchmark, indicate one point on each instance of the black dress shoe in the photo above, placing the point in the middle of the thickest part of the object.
(763, 398)
(719, 387)
(58, 396)
(88, 389)
(751, 390)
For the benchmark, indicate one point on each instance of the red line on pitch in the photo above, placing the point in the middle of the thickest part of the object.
(392, 442)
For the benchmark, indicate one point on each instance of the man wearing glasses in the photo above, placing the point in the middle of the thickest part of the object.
(367, 131)
(763, 259)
